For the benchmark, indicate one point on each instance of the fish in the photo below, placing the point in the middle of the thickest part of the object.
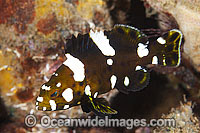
(99, 61)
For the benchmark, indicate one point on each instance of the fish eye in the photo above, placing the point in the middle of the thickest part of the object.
(55, 94)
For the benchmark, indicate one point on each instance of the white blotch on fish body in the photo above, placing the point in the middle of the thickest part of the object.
(144, 70)
(155, 60)
(66, 107)
(44, 108)
(95, 94)
(40, 99)
(58, 84)
(68, 94)
(55, 74)
(113, 81)
(44, 87)
(102, 42)
(76, 66)
(142, 50)
(87, 90)
(161, 40)
(126, 81)
(109, 62)
(53, 104)
(138, 68)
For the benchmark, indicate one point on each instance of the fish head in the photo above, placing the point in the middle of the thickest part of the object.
(61, 91)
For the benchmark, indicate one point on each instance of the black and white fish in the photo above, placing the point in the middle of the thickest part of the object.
(103, 60)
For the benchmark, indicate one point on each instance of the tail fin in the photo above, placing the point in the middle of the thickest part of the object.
(167, 49)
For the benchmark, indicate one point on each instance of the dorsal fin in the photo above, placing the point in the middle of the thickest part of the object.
(78, 46)
(119, 36)
(131, 33)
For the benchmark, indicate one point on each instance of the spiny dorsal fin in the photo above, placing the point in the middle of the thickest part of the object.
(119, 36)
(78, 46)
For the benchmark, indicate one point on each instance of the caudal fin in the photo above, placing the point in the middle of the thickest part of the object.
(167, 49)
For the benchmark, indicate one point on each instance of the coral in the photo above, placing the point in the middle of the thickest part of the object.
(25, 95)
(19, 13)
(8, 83)
(6, 11)
(85, 10)
(47, 25)
(185, 120)
(45, 7)
(32, 34)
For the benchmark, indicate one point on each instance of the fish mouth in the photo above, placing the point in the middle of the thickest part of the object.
(42, 104)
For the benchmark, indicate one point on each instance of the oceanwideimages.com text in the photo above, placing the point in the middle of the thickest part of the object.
(48, 122)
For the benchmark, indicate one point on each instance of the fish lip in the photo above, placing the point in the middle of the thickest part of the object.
(38, 103)
(40, 107)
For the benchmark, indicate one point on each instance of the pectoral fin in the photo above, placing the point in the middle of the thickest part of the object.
(99, 106)
(135, 81)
